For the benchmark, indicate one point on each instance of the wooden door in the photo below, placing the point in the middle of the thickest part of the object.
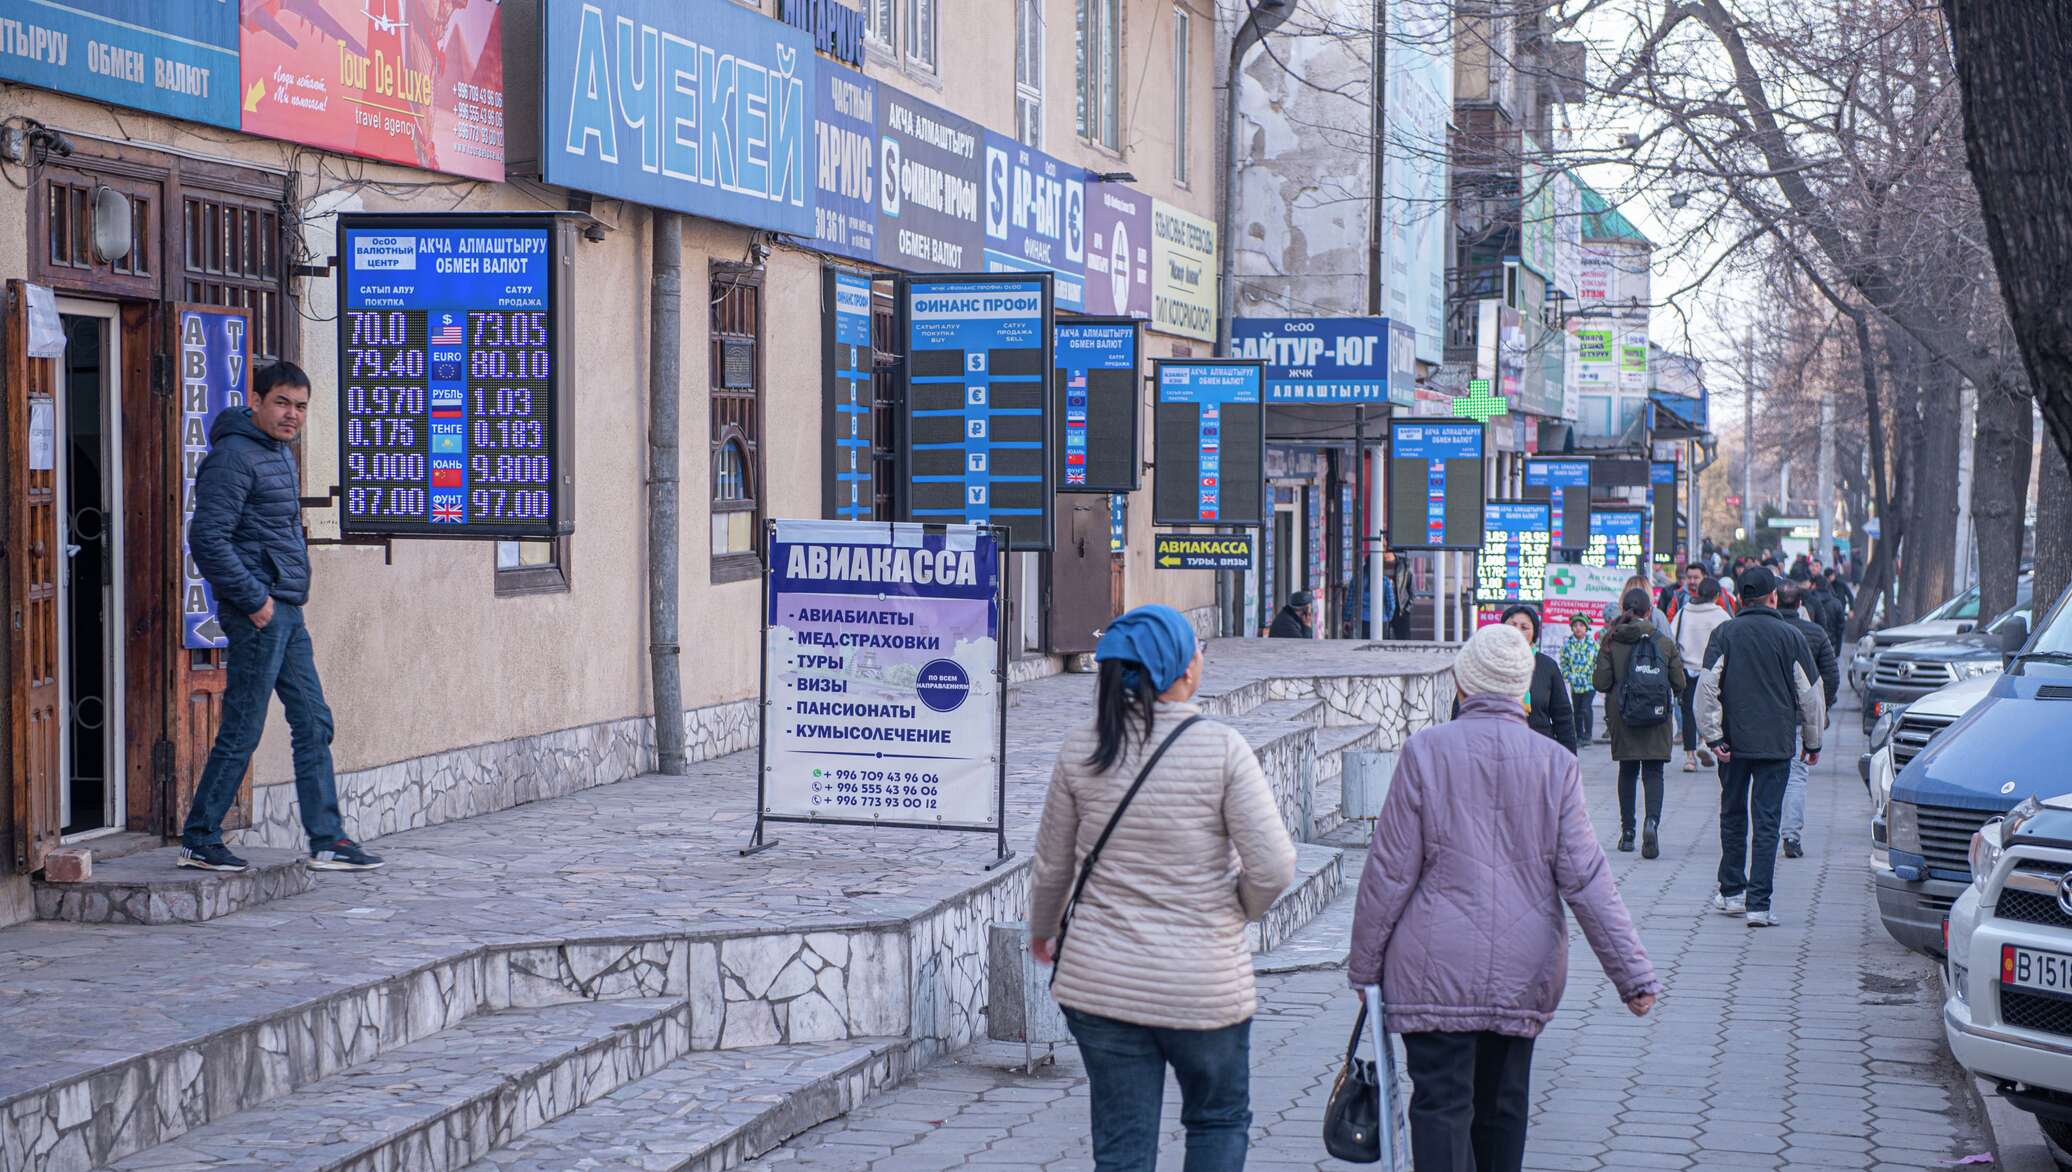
(31, 551)
(1081, 594)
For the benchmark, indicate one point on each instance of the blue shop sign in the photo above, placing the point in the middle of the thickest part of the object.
(180, 60)
(845, 144)
(705, 109)
(1329, 360)
(1036, 217)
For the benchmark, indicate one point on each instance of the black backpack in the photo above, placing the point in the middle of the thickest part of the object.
(1644, 694)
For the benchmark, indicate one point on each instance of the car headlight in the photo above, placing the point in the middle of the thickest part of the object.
(1903, 827)
(1881, 732)
(1866, 647)
(1971, 669)
(1985, 854)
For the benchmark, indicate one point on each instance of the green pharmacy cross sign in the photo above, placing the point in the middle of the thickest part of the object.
(1480, 403)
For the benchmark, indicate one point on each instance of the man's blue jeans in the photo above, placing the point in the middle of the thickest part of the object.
(1794, 825)
(1750, 787)
(277, 658)
(1125, 1072)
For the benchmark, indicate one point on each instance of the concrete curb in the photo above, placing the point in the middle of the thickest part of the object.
(2018, 1143)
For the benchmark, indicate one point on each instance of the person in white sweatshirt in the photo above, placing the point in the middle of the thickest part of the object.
(1692, 629)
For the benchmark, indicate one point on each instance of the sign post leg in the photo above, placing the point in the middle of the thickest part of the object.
(756, 842)
(1002, 854)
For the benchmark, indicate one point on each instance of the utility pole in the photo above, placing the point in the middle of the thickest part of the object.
(1748, 433)
(665, 361)
(1377, 257)
(1826, 474)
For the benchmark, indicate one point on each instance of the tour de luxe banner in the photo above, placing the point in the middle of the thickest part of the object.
(417, 82)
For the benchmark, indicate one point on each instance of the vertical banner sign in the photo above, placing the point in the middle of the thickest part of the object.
(1565, 484)
(1118, 522)
(977, 402)
(1183, 273)
(850, 491)
(701, 108)
(1435, 486)
(928, 186)
(845, 146)
(1663, 490)
(452, 418)
(214, 376)
(1209, 442)
(1096, 375)
(417, 82)
(179, 60)
(1118, 251)
(1036, 217)
(1318, 360)
(1511, 566)
(1618, 538)
(882, 680)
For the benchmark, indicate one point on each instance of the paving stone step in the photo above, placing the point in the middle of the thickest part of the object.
(1306, 710)
(150, 888)
(1319, 877)
(1333, 741)
(448, 1099)
(711, 1110)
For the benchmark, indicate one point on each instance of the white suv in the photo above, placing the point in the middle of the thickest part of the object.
(2008, 1013)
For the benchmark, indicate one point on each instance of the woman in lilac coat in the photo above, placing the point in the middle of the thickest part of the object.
(1483, 837)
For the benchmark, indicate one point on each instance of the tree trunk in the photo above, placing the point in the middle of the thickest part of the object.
(2053, 530)
(2000, 491)
(2017, 97)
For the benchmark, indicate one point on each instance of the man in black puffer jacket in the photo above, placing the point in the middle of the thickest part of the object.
(246, 538)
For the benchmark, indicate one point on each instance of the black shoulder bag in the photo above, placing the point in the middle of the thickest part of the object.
(1093, 856)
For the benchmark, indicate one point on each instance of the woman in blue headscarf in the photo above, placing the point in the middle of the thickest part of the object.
(1160, 839)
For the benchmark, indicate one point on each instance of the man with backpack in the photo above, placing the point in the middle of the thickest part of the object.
(1760, 682)
(1640, 673)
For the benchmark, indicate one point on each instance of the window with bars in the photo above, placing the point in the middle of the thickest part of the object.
(1183, 63)
(231, 256)
(1028, 72)
(885, 371)
(736, 456)
(1099, 57)
(920, 30)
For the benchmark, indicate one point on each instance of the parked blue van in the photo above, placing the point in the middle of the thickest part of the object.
(2013, 743)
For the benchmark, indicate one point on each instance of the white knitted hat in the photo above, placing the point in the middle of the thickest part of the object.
(1496, 660)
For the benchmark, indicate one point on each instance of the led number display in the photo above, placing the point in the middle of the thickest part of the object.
(450, 380)
(1618, 538)
(1511, 566)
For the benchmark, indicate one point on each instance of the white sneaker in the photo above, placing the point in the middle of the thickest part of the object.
(1762, 919)
(1730, 905)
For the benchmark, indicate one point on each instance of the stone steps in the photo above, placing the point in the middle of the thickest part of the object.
(150, 888)
(1319, 877)
(446, 1100)
(710, 1110)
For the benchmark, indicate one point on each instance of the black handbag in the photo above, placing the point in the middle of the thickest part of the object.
(1086, 869)
(1352, 1116)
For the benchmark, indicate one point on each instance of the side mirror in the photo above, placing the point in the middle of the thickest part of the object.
(1965, 628)
(2014, 634)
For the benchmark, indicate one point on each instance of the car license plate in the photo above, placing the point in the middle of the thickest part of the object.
(2029, 968)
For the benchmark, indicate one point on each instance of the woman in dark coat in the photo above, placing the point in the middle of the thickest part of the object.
(1551, 714)
(1640, 752)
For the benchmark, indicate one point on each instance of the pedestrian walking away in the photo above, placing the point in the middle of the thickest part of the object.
(1401, 591)
(1693, 628)
(1482, 839)
(1639, 671)
(1612, 610)
(1760, 681)
(1159, 840)
(246, 538)
(1295, 620)
(1792, 825)
(1578, 666)
(1547, 705)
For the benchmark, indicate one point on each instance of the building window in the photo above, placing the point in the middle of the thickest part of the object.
(1028, 72)
(737, 423)
(1597, 415)
(920, 32)
(1183, 63)
(1099, 58)
(532, 567)
(878, 23)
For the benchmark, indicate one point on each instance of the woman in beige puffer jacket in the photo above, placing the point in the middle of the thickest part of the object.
(1155, 970)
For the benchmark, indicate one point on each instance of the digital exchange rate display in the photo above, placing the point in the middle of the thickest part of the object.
(1095, 368)
(1618, 538)
(1208, 442)
(1435, 485)
(1511, 566)
(1564, 484)
(450, 379)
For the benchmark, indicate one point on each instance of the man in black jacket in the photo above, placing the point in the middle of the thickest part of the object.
(1825, 607)
(1295, 620)
(1760, 681)
(246, 538)
(1789, 597)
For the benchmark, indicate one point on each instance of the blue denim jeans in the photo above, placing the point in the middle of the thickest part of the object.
(1794, 822)
(1125, 1072)
(1750, 790)
(263, 661)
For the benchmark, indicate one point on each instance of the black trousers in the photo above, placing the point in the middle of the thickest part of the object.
(1582, 704)
(1687, 706)
(1469, 1100)
(1649, 775)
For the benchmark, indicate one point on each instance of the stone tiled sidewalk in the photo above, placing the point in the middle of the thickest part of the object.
(1813, 1045)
